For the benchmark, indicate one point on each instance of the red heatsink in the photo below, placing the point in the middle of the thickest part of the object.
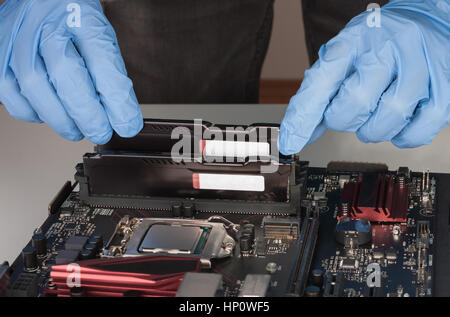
(375, 197)
(146, 276)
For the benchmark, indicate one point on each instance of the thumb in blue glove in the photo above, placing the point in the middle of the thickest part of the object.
(387, 83)
(60, 64)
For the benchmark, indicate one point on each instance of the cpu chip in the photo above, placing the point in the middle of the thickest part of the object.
(171, 239)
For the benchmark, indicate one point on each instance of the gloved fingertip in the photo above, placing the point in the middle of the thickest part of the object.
(401, 144)
(75, 137)
(36, 120)
(31, 119)
(317, 133)
(404, 143)
(101, 138)
(289, 143)
(362, 137)
(131, 128)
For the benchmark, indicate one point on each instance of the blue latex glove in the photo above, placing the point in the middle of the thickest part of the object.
(387, 83)
(60, 64)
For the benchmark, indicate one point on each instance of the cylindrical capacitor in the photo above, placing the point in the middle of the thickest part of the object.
(249, 229)
(176, 209)
(77, 292)
(98, 236)
(317, 277)
(312, 291)
(95, 242)
(39, 242)
(91, 248)
(86, 254)
(188, 210)
(245, 243)
(29, 257)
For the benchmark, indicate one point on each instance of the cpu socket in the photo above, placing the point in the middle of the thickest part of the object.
(181, 237)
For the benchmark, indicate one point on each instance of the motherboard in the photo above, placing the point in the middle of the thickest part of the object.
(357, 230)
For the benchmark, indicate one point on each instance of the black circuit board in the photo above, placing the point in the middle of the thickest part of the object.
(400, 271)
(406, 268)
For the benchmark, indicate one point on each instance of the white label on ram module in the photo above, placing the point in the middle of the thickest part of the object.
(216, 148)
(254, 183)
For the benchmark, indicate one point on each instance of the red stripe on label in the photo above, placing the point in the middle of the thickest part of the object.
(195, 181)
(202, 145)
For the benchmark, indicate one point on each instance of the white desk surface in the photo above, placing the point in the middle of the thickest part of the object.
(35, 162)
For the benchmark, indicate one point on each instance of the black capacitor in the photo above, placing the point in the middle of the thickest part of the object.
(29, 257)
(245, 243)
(176, 209)
(95, 242)
(249, 230)
(360, 231)
(86, 254)
(98, 236)
(188, 210)
(77, 292)
(312, 291)
(317, 277)
(91, 247)
(39, 242)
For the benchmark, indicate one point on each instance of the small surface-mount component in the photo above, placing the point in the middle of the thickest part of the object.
(334, 286)
(200, 285)
(67, 256)
(391, 255)
(255, 285)
(319, 195)
(26, 285)
(378, 255)
(67, 208)
(281, 228)
(76, 243)
(349, 263)
(343, 179)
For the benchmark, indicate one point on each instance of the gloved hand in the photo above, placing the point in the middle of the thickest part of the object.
(60, 64)
(387, 83)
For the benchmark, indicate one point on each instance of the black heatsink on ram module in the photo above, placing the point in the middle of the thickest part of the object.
(226, 169)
